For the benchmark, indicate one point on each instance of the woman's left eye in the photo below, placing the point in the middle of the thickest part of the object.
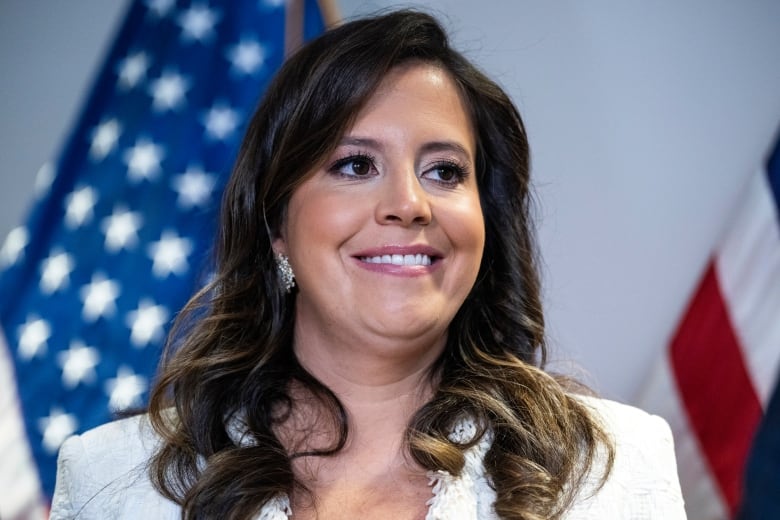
(446, 173)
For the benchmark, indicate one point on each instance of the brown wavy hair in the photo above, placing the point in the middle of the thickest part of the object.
(230, 359)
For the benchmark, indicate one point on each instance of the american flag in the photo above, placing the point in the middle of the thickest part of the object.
(120, 231)
(721, 367)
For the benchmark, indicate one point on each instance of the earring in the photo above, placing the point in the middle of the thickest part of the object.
(285, 272)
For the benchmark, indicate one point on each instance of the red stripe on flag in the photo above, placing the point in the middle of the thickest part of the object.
(715, 388)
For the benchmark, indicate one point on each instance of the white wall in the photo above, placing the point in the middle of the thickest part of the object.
(49, 55)
(645, 120)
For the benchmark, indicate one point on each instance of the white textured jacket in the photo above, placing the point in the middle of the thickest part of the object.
(102, 474)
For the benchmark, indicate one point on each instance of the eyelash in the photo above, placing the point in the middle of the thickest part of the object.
(336, 167)
(460, 172)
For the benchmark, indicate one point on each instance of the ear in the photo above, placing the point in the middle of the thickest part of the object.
(279, 245)
(279, 235)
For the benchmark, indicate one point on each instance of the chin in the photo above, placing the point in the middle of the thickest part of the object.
(411, 329)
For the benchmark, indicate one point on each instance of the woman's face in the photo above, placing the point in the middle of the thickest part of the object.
(386, 238)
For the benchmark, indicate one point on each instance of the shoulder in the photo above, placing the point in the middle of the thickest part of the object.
(625, 422)
(135, 432)
(103, 472)
(643, 482)
(112, 450)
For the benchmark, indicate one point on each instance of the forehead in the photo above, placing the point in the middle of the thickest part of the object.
(422, 95)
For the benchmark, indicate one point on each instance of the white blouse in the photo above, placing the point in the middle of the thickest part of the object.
(102, 474)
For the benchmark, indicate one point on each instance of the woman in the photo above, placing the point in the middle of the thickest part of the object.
(372, 344)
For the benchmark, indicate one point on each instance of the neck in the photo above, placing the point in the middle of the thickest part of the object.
(370, 379)
(381, 385)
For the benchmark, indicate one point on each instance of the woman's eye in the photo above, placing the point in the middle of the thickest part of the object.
(359, 167)
(446, 173)
(354, 166)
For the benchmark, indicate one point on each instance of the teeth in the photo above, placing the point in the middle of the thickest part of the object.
(399, 259)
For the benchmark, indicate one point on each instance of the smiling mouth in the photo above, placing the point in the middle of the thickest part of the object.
(418, 259)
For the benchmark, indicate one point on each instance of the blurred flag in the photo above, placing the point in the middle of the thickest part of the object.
(120, 231)
(761, 497)
(721, 366)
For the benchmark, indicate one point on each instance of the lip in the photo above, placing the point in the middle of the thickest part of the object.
(399, 270)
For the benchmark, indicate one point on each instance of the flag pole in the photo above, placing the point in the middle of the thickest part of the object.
(331, 13)
(293, 26)
(293, 21)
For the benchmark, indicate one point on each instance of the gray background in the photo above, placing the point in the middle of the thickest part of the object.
(645, 119)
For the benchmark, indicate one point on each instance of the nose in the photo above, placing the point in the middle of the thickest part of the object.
(403, 200)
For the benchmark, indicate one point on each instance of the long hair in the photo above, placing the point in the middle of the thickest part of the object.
(225, 379)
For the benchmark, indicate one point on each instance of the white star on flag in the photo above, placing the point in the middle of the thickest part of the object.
(78, 206)
(169, 254)
(99, 297)
(160, 8)
(194, 187)
(197, 23)
(13, 246)
(55, 271)
(132, 70)
(146, 323)
(125, 389)
(220, 121)
(33, 335)
(78, 364)
(168, 91)
(121, 229)
(246, 57)
(57, 427)
(143, 160)
(104, 139)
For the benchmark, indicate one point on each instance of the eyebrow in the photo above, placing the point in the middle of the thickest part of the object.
(446, 146)
(433, 146)
(361, 141)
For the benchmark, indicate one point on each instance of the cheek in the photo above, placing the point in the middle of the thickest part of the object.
(465, 225)
(319, 223)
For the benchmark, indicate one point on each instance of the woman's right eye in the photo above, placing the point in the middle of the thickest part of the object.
(353, 166)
